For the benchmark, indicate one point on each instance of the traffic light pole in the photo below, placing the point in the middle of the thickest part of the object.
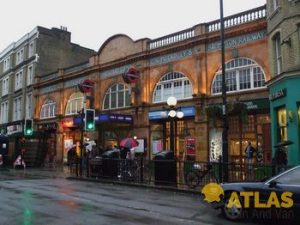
(81, 141)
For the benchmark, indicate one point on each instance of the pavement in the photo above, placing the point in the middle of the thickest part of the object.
(63, 172)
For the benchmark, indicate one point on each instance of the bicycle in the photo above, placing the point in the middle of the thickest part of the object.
(197, 175)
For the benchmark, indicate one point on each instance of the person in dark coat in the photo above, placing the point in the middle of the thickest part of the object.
(281, 158)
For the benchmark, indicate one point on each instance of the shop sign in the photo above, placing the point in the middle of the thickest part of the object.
(48, 126)
(278, 94)
(188, 111)
(258, 104)
(114, 118)
(14, 129)
(190, 146)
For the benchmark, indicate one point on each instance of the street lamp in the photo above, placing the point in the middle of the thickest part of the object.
(173, 113)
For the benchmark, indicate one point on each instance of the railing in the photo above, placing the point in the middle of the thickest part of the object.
(172, 38)
(186, 175)
(238, 19)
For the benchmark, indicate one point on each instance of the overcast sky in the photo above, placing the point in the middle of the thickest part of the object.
(91, 22)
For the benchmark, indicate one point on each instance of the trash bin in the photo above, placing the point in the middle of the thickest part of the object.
(110, 162)
(165, 168)
(96, 167)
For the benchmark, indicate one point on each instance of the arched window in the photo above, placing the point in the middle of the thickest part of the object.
(75, 103)
(48, 110)
(117, 96)
(241, 74)
(172, 84)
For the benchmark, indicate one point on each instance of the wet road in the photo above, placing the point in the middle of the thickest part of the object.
(29, 200)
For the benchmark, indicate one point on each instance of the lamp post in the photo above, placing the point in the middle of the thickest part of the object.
(224, 107)
(172, 101)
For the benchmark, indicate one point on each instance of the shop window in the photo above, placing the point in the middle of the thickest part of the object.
(241, 74)
(75, 104)
(172, 84)
(282, 124)
(117, 96)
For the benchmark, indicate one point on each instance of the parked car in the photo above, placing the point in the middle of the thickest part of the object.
(286, 185)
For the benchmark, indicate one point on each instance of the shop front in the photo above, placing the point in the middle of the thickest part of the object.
(184, 133)
(253, 126)
(113, 128)
(285, 113)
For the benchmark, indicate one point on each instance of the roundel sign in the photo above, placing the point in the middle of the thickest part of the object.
(131, 75)
(86, 86)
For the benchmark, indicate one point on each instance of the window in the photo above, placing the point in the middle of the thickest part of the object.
(30, 75)
(20, 56)
(6, 64)
(4, 112)
(17, 108)
(172, 84)
(5, 85)
(31, 49)
(29, 106)
(48, 110)
(117, 96)
(282, 124)
(241, 74)
(19, 80)
(275, 4)
(290, 178)
(277, 51)
(75, 103)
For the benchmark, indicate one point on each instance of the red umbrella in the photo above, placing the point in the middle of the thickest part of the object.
(129, 143)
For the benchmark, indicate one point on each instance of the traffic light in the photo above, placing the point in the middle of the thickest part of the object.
(89, 122)
(28, 129)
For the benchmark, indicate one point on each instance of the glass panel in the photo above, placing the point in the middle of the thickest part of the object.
(120, 99)
(106, 101)
(113, 103)
(282, 124)
(127, 98)
(231, 81)
(245, 82)
(113, 88)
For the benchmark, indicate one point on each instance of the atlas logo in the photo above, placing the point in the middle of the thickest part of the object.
(214, 192)
(246, 197)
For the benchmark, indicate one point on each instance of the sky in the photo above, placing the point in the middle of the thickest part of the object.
(92, 22)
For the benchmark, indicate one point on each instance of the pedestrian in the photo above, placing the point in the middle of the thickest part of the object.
(249, 152)
(281, 158)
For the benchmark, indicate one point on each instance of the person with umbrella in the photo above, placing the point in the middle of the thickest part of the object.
(126, 145)
(281, 155)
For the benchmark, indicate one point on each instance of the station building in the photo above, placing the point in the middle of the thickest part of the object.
(186, 65)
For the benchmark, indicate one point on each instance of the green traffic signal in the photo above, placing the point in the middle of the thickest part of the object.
(89, 122)
(28, 132)
(28, 129)
(90, 126)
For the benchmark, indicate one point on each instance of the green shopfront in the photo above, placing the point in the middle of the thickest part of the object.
(285, 115)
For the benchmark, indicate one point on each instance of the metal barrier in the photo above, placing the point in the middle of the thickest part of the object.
(188, 174)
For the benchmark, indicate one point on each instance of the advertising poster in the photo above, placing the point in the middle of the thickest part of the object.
(68, 143)
(190, 146)
(215, 142)
(141, 147)
(157, 146)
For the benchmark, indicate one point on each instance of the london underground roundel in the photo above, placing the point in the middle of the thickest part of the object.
(131, 75)
(86, 86)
